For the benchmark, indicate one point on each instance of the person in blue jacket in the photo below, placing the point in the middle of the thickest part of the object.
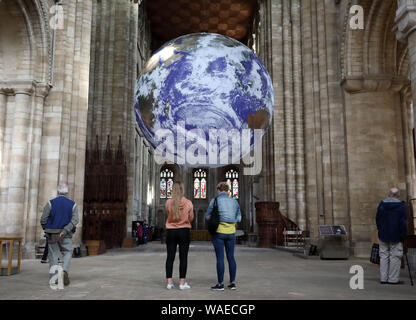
(229, 214)
(392, 232)
(59, 219)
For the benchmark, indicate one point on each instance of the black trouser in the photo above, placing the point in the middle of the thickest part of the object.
(174, 237)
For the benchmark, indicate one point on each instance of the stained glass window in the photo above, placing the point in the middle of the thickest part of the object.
(231, 177)
(197, 190)
(235, 188)
(200, 184)
(230, 189)
(203, 188)
(170, 185)
(163, 188)
(166, 184)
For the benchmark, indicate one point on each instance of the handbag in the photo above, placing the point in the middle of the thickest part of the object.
(375, 254)
(214, 221)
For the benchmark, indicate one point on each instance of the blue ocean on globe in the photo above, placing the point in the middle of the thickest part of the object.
(201, 98)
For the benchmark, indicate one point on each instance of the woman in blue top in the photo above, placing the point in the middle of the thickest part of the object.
(229, 214)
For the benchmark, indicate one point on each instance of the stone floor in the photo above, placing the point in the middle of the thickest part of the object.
(263, 274)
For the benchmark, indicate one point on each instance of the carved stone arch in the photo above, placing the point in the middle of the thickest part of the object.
(44, 68)
(352, 41)
(371, 59)
(403, 64)
(380, 44)
(390, 44)
(374, 49)
(30, 29)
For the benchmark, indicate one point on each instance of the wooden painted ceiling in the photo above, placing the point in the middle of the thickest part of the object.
(170, 19)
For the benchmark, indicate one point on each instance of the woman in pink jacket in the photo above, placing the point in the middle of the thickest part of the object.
(180, 214)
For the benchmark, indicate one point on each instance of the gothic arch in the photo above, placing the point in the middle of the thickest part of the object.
(374, 50)
(403, 61)
(25, 42)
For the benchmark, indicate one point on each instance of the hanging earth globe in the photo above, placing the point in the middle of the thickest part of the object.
(202, 99)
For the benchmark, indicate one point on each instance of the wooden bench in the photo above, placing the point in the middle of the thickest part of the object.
(10, 268)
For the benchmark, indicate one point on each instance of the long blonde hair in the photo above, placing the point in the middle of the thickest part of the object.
(177, 194)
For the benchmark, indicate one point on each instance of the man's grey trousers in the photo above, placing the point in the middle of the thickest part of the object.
(54, 249)
(390, 261)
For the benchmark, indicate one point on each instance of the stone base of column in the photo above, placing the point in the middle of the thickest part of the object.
(361, 249)
(29, 250)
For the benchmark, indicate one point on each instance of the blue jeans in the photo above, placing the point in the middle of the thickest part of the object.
(227, 241)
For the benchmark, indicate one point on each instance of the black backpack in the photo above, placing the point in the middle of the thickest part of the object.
(215, 219)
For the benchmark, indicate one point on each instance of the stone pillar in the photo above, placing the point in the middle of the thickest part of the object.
(5, 154)
(405, 27)
(3, 115)
(375, 150)
(3, 105)
(17, 194)
(280, 47)
(408, 122)
(114, 57)
(33, 228)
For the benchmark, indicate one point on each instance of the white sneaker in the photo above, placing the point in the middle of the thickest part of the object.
(170, 286)
(184, 287)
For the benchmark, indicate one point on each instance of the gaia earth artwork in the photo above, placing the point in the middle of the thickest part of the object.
(201, 98)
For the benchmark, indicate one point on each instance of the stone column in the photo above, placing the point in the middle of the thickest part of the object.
(280, 48)
(4, 164)
(62, 157)
(33, 228)
(114, 56)
(375, 149)
(17, 194)
(405, 27)
(3, 114)
(408, 122)
(3, 104)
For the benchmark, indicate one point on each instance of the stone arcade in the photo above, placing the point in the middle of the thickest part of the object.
(342, 135)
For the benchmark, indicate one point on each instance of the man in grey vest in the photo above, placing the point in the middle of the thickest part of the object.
(59, 219)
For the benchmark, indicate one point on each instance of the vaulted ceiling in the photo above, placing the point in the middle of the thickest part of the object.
(171, 19)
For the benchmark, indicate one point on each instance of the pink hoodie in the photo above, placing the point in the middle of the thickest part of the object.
(186, 209)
